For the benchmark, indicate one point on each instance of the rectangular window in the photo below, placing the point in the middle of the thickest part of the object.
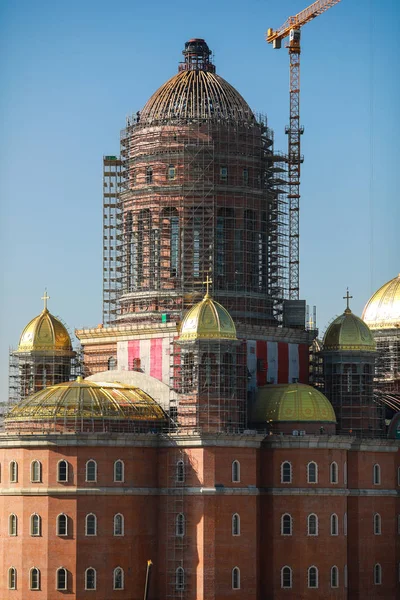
(223, 173)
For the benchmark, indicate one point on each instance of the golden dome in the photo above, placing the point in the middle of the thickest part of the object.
(196, 92)
(348, 332)
(45, 334)
(291, 402)
(74, 402)
(207, 320)
(382, 310)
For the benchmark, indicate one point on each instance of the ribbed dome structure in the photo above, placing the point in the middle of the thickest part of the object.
(349, 332)
(382, 310)
(45, 334)
(196, 93)
(207, 320)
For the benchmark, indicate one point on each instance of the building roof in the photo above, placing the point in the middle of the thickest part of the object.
(196, 92)
(87, 400)
(207, 320)
(45, 334)
(295, 402)
(348, 332)
(382, 310)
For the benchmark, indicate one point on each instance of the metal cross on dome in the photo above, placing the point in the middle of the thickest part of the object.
(347, 297)
(45, 297)
(207, 282)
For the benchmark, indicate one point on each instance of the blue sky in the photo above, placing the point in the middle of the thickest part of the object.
(70, 73)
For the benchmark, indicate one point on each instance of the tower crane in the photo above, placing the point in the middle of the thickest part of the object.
(291, 28)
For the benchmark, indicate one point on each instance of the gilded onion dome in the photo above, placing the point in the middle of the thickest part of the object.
(207, 320)
(291, 402)
(196, 92)
(348, 333)
(382, 310)
(45, 334)
(84, 401)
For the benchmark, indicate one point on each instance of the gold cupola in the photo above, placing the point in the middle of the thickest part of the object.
(382, 310)
(207, 320)
(45, 335)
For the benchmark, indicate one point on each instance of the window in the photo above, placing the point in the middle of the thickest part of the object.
(377, 574)
(334, 577)
(62, 471)
(236, 578)
(334, 473)
(345, 473)
(180, 472)
(36, 472)
(112, 363)
(62, 525)
(334, 525)
(236, 471)
(377, 475)
(312, 577)
(12, 525)
(377, 524)
(235, 524)
(90, 579)
(180, 525)
(34, 579)
(171, 173)
(345, 576)
(91, 524)
(286, 577)
(91, 470)
(223, 173)
(345, 523)
(179, 579)
(398, 475)
(149, 175)
(118, 579)
(286, 524)
(119, 471)
(62, 578)
(245, 177)
(35, 525)
(118, 524)
(286, 472)
(398, 524)
(12, 578)
(13, 472)
(312, 524)
(312, 472)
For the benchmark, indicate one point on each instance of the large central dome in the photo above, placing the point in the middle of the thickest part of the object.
(196, 92)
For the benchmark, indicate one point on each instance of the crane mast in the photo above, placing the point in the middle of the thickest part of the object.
(294, 130)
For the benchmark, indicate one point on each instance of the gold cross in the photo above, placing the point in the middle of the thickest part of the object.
(45, 297)
(207, 282)
(347, 297)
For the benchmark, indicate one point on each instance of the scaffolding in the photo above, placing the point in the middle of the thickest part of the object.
(387, 366)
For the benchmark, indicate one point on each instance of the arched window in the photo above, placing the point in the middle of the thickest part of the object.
(334, 577)
(377, 524)
(62, 525)
(245, 177)
(377, 475)
(149, 175)
(345, 473)
(180, 472)
(286, 472)
(180, 525)
(12, 578)
(13, 525)
(377, 574)
(398, 475)
(286, 524)
(35, 525)
(36, 471)
(235, 524)
(334, 472)
(179, 579)
(236, 578)
(170, 243)
(112, 363)
(119, 471)
(312, 577)
(62, 578)
(312, 524)
(90, 579)
(345, 523)
(286, 577)
(91, 524)
(334, 525)
(91, 470)
(312, 472)
(62, 471)
(236, 471)
(118, 578)
(118, 524)
(34, 579)
(13, 472)
(171, 172)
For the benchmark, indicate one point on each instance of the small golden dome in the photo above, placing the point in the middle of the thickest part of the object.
(382, 310)
(45, 334)
(207, 320)
(349, 332)
(82, 401)
(291, 402)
